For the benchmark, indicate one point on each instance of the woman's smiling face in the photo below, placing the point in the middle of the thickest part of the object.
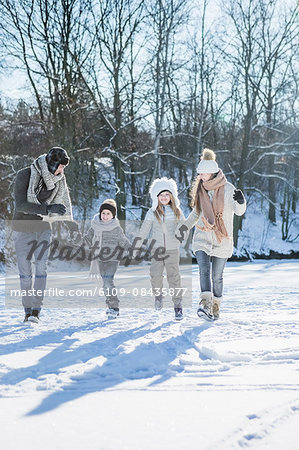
(206, 176)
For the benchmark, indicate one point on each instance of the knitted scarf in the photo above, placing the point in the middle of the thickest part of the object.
(212, 211)
(39, 176)
(99, 226)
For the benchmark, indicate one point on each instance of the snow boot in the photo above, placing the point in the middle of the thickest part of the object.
(112, 313)
(34, 316)
(205, 309)
(178, 313)
(27, 314)
(216, 307)
(158, 302)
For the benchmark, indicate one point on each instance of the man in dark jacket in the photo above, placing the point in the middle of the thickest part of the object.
(41, 196)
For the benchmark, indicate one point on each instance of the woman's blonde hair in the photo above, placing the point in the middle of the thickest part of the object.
(194, 192)
(159, 212)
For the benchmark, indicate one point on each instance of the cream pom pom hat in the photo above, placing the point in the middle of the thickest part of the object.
(207, 162)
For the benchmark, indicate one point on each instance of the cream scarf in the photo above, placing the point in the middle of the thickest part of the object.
(98, 227)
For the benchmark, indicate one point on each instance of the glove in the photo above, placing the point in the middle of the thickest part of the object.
(135, 253)
(238, 196)
(75, 233)
(183, 231)
(56, 208)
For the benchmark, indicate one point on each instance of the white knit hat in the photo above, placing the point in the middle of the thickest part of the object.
(160, 185)
(207, 163)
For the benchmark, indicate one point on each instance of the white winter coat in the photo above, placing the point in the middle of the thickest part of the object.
(206, 240)
(162, 232)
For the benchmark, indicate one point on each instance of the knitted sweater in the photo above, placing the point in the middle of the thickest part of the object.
(113, 239)
(162, 232)
(206, 240)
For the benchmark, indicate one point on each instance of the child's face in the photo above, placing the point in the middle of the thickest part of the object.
(206, 176)
(164, 198)
(106, 215)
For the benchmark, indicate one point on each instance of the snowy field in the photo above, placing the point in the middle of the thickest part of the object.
(143, 381)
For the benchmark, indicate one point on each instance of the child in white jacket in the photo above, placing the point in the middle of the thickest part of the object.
(162, 220)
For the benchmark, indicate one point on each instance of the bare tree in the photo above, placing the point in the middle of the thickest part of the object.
(165, 19)
(279, 45)
(46, 38)
(244, 54)
(115, 23)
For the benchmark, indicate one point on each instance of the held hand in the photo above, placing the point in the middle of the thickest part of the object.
(78, 240)
(75, 233)
(238, 196)
(183, 232)
(56, 208)
(137, 251)
(130, 257)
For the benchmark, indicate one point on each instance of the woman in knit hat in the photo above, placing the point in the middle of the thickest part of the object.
(162, 220)
(214, 201)
(106, 235)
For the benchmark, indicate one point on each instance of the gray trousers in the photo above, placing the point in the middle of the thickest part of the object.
(171, 265)
(23, 247)
(107, 271)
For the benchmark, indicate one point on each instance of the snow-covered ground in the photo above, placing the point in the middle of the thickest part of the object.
(143, 381)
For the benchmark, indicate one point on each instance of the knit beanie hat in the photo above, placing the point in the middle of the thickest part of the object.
(160, 185)
(208, 162)
(109, 204)
(56, 156)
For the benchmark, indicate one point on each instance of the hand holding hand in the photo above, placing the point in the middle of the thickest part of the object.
(182, 233)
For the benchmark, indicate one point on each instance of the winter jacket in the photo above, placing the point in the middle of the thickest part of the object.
(25, 211)
(206, 240)
(162, 232)
(33, 212)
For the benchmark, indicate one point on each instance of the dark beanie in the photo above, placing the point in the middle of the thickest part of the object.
(110, 208)
(55, 157)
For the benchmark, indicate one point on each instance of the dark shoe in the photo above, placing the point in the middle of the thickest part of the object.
(34, 317)
(178, 313)
(27, 315)
(112, 313)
